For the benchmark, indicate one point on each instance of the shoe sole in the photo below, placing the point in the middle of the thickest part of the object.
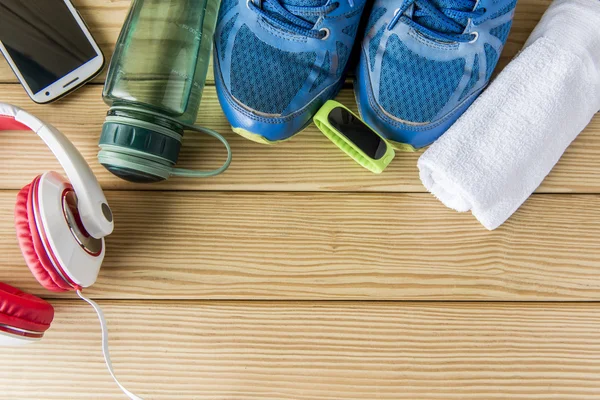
(402, 147)
(258, 138)
(254, 137)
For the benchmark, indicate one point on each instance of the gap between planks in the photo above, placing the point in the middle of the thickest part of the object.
(334, 246)
(307, 163)
(299, 351)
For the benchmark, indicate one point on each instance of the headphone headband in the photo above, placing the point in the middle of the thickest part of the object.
(92, 205)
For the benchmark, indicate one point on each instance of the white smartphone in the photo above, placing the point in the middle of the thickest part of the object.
(48, 46)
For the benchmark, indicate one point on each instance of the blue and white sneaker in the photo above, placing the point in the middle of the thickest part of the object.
(423, 62)
(278, 61)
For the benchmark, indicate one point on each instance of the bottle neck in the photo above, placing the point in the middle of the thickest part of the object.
(146, 116)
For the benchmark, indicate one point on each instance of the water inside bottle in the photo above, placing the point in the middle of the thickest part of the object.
(157, 62)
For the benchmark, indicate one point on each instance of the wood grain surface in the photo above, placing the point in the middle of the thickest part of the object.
(308, 162)
(195, 245)
(314, 351)
(297, 275)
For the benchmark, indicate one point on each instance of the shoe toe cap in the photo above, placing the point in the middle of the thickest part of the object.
(259, 127)
(399, 125)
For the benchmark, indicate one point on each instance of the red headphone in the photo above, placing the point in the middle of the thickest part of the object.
(61, 225)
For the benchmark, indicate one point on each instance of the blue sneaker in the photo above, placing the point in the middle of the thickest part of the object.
(423, 62)
(278, 61)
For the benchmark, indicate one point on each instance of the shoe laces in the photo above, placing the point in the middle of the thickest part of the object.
(444, 20)
(300, 20)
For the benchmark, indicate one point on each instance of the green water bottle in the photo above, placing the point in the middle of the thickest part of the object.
(154, 86)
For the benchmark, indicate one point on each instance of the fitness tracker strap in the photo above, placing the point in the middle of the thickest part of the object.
(353, 136)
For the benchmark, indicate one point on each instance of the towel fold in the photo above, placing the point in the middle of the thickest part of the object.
(502, 148)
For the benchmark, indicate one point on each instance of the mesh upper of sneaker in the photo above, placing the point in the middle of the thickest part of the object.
(418, 80)
(273, 72)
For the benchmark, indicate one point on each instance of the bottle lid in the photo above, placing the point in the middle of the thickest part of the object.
(138, 151)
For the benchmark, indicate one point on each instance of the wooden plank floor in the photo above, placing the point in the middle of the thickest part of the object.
(313, 351)
(297, 275)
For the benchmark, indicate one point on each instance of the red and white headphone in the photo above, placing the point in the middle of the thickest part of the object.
(61, 225)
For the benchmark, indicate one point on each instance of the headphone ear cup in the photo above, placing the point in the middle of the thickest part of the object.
(31, 244)
(24, 311)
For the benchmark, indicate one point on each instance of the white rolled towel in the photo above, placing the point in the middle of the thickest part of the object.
(495, 156)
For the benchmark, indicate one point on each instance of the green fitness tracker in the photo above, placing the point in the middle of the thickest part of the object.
(354, 137)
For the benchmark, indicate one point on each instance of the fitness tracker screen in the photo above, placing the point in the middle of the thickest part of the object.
(357, 132)
(43, 39)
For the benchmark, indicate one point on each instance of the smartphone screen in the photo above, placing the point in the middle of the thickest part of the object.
(43, 39)
(357, 132)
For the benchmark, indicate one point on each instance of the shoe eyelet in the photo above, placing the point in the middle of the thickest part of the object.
(476, 34)
(248, 4)
(327, 33)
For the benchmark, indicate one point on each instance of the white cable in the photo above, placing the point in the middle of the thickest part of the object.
(105, 350)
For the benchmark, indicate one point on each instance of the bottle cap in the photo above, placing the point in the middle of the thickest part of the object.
(138, 151)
